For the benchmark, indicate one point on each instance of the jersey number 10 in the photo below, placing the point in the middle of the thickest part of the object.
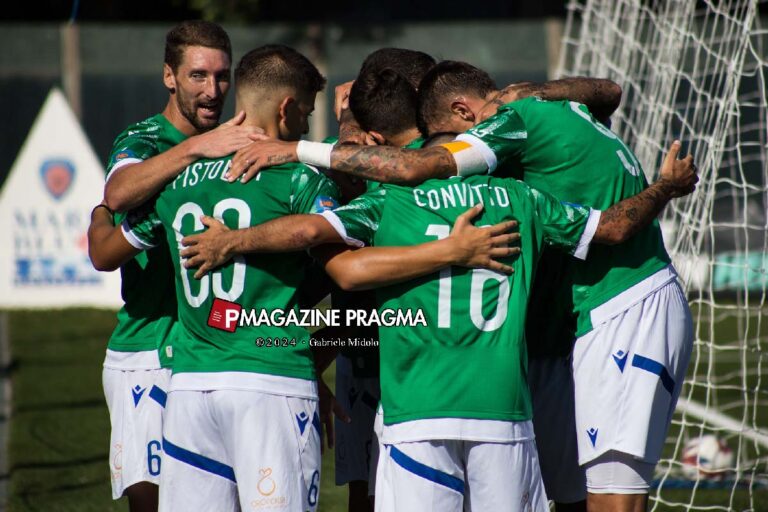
(479, 277)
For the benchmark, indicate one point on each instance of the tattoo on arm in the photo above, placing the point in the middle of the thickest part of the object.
(601, 96)
(393, 165)
(624, 219)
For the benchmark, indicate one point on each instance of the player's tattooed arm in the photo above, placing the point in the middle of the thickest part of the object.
(624, 219)
(132, 185)
(601, 96)
(107, 246)
(385, 164)
(467, 246)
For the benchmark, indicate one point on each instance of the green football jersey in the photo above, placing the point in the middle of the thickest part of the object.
(148, 317)
(558, 147)
(207, 341)
(472, 315)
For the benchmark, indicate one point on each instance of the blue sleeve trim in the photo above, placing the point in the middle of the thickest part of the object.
(426, 472)
(656, 367)
(198, 461)
(158, 395)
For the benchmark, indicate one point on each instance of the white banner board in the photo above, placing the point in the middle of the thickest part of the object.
(45, 208)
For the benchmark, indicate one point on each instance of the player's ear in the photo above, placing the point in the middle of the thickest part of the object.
(286, 106)
(460, 108)
(169, 79)
(377, 138)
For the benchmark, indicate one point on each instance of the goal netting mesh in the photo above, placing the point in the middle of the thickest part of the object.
(697, 70)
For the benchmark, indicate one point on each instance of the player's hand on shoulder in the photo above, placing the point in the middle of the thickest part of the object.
(679, 176)
(225, 139)
(207, 250)
(263, 151)
(480, 247)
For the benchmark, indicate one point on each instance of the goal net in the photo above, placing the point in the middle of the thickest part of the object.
(697, 70)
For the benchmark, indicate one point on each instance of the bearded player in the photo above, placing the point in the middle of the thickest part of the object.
(139, 353)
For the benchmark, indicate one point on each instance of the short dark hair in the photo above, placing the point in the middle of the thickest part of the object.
(410, 64)
(275, 65)
(383, 101)
(449, 77)
(194, 33)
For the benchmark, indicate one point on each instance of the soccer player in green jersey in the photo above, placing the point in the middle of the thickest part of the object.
(196, 72)
(357, 369)
(620, 446)
(427, 408)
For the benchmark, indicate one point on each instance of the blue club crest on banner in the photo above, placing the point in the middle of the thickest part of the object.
(57, 176)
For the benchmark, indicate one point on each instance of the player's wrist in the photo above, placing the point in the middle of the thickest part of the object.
(314, 153)
(666, 186)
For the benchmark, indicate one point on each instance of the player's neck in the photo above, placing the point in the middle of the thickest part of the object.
(405, 137)
(258, 119)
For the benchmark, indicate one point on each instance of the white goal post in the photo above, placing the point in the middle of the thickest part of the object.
(697, 70)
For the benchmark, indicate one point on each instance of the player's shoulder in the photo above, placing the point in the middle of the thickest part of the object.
(292, 168)
(151, 125)
(516, 188)
(529, 104)
(143, 132)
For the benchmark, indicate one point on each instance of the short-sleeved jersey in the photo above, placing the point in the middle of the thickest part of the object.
(469, 361)
(147, 319)
(558, 147)
(252, 282)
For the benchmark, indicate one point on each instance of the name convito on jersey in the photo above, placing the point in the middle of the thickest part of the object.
(459, 194)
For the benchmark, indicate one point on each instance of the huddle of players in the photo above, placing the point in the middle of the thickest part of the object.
(241, 426)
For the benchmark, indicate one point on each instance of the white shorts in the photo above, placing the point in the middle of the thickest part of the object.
(377, 447)
(554, 422)
(456, 476)
(628, 373)
(136, 402)
(354, 440)
(231, 450)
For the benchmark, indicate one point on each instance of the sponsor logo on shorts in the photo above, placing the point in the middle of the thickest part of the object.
(267, 489)
(116, 464)
(592, 433)
(620, 357)
(525, 502)
(224, 315)
(302, 419)
(137, 392)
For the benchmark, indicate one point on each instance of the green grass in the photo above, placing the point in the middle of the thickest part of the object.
(59, 438)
